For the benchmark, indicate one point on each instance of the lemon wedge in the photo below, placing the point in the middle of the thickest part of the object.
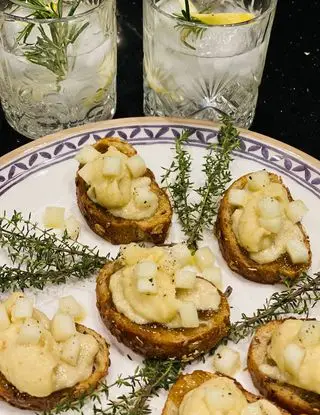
(192, 7)
(223, 18)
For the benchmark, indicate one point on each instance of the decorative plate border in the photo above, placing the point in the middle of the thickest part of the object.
(143, 133)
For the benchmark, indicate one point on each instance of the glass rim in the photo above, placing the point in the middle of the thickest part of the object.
(271, 7)
(64, 19)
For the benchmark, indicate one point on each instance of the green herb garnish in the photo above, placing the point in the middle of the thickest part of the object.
(40, 257)
(145, 383)
(188, 31)
(50, 48)
(195, 216)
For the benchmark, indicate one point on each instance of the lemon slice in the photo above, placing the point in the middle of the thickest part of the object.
(192, 7)
(223, 18)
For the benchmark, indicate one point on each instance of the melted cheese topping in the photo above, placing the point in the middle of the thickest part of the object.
(220, 396)
(38, 369)
(305, 335)
(161, 307)
(123, 195)
(262, 245)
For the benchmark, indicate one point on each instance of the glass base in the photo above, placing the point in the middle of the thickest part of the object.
(159, 105)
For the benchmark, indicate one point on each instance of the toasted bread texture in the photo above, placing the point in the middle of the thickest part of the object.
(21, 400)
(187, 383)
(155, 340)
(237, 257)
(118, 230)
(296, 400)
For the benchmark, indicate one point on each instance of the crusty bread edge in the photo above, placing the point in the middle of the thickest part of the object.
(188, 382)
(287, 396)
(20, 400)
(237, 258)
(154, 340)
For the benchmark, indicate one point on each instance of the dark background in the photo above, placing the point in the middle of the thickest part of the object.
(289, 101)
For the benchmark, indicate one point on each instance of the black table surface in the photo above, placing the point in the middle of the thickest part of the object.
(289, 104)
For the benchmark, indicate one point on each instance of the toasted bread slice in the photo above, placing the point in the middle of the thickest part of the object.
(155, 340)
(187, 383)
(118, 230)
(237, 257)
(21, 400)
(296, 400)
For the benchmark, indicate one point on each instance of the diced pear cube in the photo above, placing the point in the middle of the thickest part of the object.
(309, 333)
(23, 308)
(137, 166)
(30, 332)
(182, 254)
(144, 198)
(111, 166)
(87, 154)
(146, 269)
(4, 318)
(269, 208)
(90, 171)
(293, 356)
(11, 300)
(142, 182)
(54, 217)
(71, 350)
(41, 318)
(213, 274)
(226, 360)
(185, 278)
(272, 225)
(147, 286)
(297, 251)
(237, 197)
(271, 371)
(204, 257)
(188, 314)
(296, 210)
(62, 327)
(258, 180)
(253, 409)
(69, 305)
(218, 400)
(72, 226)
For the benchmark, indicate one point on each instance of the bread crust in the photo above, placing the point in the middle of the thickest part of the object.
(186, 383)
(154, 340)
(14, 397)
(296, 400)
(237, 257)
(118, 230)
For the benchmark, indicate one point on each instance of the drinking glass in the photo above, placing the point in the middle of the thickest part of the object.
(57, 63)
(192, 69)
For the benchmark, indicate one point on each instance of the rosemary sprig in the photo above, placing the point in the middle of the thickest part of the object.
(194, 32)
(50, 48)
(40, 257)
(194, 217)
(297, 299)
(145, 383)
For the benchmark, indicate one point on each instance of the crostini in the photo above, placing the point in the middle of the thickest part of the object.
(44, 363)
(118, 195)
(259, 229)
(213, 393)
(284, 363)
(163, 302)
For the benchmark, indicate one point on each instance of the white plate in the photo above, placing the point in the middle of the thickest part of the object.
(42, 173)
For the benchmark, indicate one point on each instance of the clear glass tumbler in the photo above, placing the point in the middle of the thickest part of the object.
(193, 69)
(57, 63)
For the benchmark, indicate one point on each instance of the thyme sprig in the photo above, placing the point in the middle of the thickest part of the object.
(297, 299)
(145, 383)
(50, 48)
(40, 257)
(195, 216)
(188, 31)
